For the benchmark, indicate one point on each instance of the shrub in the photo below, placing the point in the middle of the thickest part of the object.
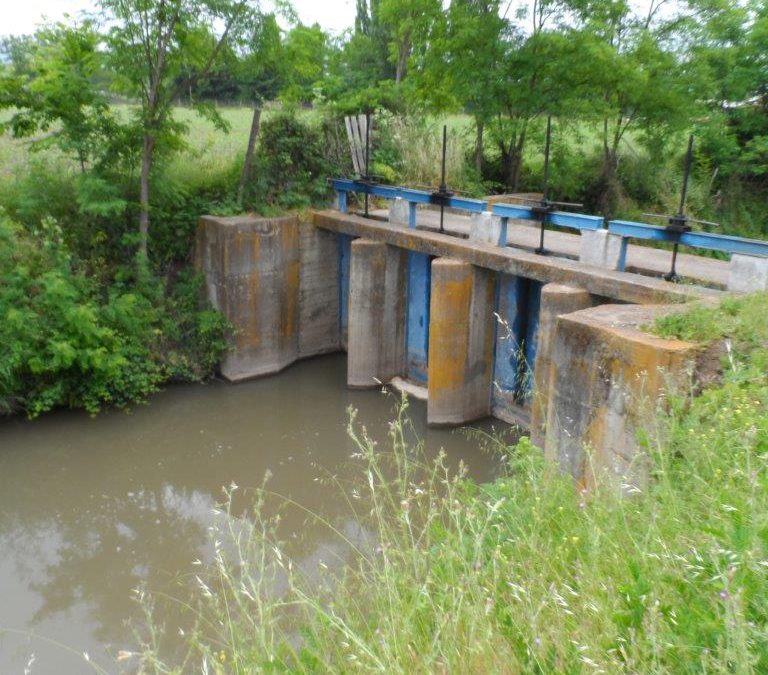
(291, 169)
(63, 342)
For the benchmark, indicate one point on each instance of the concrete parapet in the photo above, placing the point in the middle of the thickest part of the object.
(398, 211)
(319, 296)
(556, 300)
(251, 267)
(376, 314)
(461, 333)
(606, 378)
(485, 227)
(601, 249)
(748, 274)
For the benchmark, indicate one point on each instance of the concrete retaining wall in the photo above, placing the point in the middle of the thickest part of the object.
(344, 255)
(294, 290)
(461, 340)
(376, 341)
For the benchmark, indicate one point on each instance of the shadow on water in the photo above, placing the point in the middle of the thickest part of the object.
(90, 508)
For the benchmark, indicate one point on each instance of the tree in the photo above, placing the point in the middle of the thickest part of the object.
(18, 51)
(51, 89)
(150, 43)
(455, 61)
(261, 75)
(304, 51)
(727, 54)
(633, 80)
(404, 21)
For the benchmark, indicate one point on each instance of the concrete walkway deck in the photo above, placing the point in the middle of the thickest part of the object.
(621, 286)
(640, 259)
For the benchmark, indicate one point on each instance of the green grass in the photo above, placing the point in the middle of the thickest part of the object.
(527, 574)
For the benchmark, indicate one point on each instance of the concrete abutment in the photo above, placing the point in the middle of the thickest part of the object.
(252, 277)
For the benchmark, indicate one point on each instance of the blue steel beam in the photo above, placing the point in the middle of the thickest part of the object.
(408, 194)
(708, 240)
(513, 211)
(574, 221)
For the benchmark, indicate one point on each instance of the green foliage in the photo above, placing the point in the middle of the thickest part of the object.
(55, 94)
(293, 166)
(63, 342)
(743, 320)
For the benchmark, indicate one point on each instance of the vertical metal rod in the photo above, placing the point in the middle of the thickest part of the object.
(672, 276)
(680, 218)
(541, 249)
(367, 154)
(686, 175)
(443, 186)
(545, 201)
(546, 158)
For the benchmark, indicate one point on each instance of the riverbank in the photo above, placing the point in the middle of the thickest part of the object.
(527, 573)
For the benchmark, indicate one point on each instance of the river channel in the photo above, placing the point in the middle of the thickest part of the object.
(92, 508)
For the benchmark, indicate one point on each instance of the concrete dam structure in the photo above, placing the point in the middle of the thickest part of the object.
(556, 343)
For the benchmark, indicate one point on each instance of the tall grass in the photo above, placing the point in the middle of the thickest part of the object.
(526, 574)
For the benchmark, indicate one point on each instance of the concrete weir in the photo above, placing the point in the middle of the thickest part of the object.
(552, 344)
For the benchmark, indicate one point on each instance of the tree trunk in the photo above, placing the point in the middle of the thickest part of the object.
(610, 190)
(402, 59)
(248, 163)
(147, 154)
(513, 162)
(479, 147)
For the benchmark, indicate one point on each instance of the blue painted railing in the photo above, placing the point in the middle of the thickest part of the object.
(573, 221)
(707, 240)
(343, 186)
(627, 230)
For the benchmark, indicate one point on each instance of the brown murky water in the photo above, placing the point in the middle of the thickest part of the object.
(92, 508)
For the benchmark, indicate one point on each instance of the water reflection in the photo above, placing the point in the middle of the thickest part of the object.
(92, 508)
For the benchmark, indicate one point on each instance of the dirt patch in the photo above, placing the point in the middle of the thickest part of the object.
(709, 365)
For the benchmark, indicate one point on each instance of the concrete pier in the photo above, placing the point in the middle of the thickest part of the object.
(461, 341)
(376, 339)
